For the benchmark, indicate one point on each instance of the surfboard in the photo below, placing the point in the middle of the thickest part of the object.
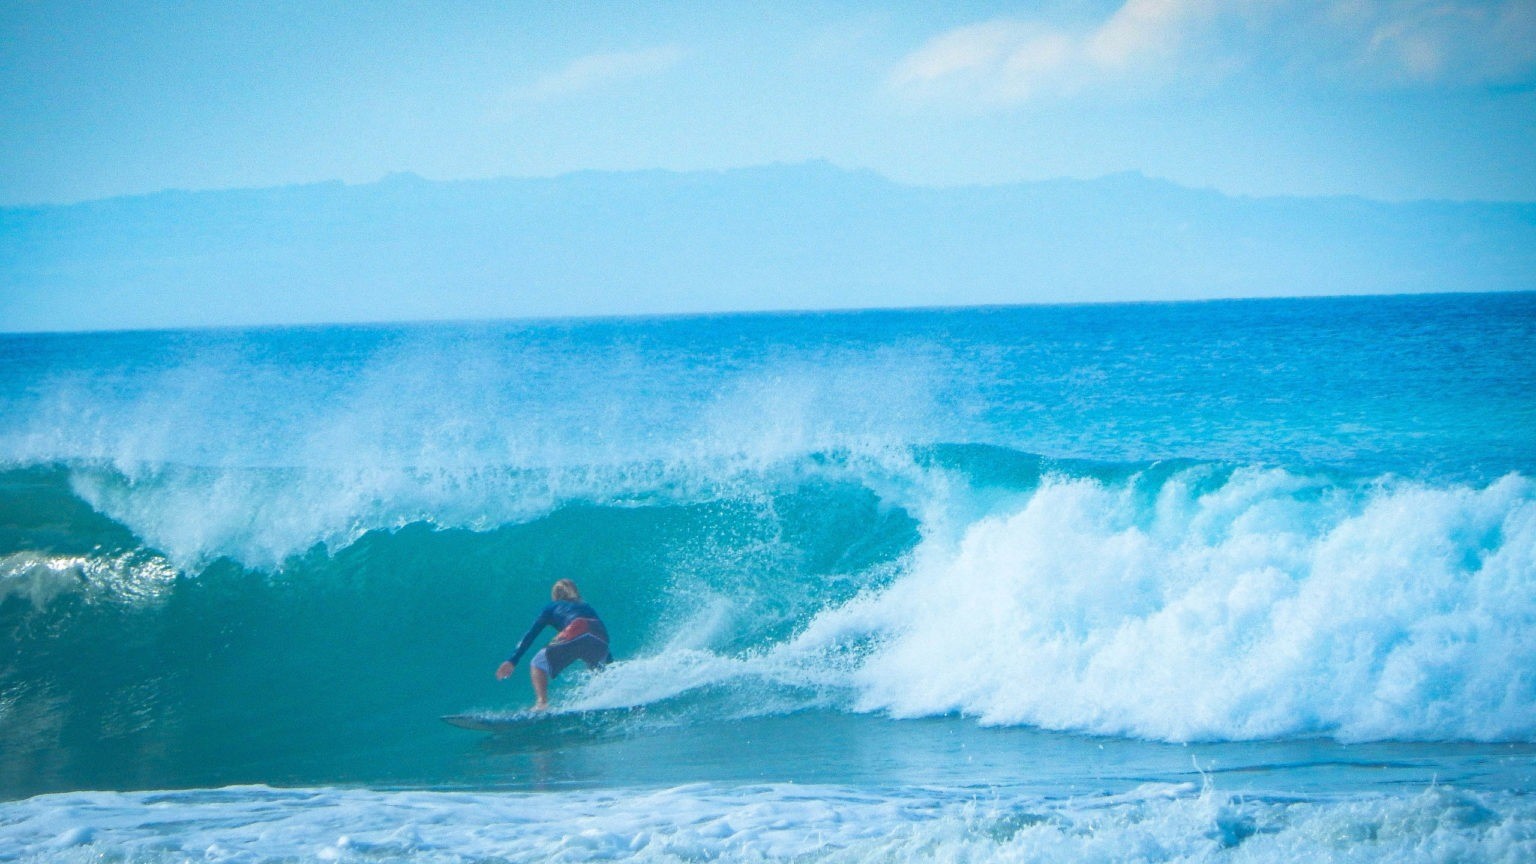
(507, 721)
(488, 722)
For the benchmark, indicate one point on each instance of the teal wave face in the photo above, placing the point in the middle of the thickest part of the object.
(130, 673)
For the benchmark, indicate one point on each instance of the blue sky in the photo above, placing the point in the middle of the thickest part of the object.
(1393, 100)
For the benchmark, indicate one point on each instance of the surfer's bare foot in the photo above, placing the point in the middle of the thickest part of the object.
(541, 706)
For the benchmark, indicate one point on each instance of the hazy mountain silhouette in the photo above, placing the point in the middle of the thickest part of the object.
(805, 236)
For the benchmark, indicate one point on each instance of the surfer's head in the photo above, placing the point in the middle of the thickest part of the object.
(565, 589)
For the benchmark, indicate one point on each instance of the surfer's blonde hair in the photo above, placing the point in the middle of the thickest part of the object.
(565, 589)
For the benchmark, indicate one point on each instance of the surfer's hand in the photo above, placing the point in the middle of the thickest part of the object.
(504, 670)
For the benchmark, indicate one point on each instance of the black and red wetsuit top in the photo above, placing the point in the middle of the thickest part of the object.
(572, 618)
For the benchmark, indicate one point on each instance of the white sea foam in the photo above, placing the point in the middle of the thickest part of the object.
(41, 577)
(755, 823)
(1269, 606)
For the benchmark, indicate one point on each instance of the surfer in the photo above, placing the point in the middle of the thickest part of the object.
(581, 636)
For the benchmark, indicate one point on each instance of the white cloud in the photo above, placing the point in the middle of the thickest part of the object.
(1143, 31)
(996, 60)
(1451, 42)
(596, 71)
(1152, 43)
(1006, 60)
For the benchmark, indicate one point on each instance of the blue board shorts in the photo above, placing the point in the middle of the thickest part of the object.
(583, 639)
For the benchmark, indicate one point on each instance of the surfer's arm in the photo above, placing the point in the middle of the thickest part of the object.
(507, 666)
(545, 619)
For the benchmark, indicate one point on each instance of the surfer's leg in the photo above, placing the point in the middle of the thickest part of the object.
(540, 687)
(539, 674)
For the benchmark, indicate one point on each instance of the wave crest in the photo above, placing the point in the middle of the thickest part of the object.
(1270, 606)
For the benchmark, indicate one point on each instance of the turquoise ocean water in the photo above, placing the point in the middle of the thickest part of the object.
(1243, 581)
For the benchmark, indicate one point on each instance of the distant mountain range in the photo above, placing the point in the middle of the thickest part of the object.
(808, 236)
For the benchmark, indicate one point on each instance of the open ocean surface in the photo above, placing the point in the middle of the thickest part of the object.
(1248, 581)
